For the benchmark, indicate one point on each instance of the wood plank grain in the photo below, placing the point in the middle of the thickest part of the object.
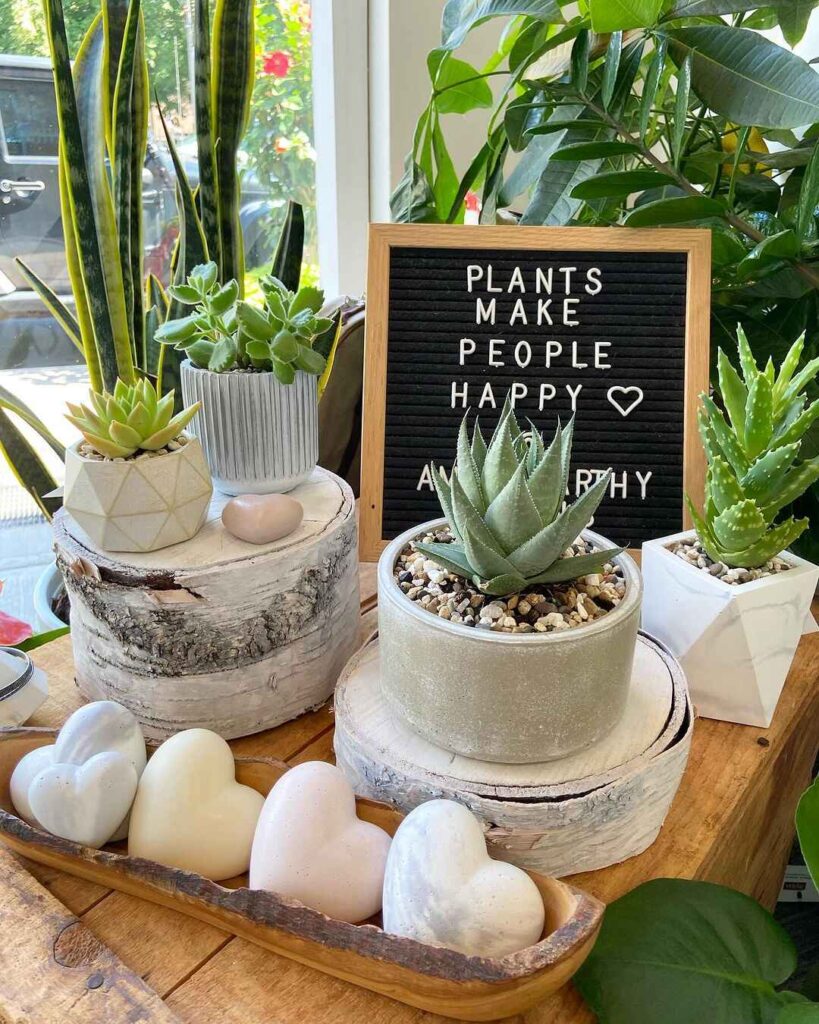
(53, 969)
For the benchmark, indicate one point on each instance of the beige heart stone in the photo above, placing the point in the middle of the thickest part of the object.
(190, 812)
(310, 845)
(262, 518)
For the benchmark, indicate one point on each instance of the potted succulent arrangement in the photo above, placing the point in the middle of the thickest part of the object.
(255, 371)
(727, 597)
(507, 629)
(136, 482)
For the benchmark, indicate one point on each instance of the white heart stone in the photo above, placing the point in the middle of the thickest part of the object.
(310, 845)
(443, 888)
(100, 726)
(29, 766)
(85, 803)
(190, 812)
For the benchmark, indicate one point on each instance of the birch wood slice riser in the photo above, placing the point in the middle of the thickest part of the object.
(218, 633)
(581, 813)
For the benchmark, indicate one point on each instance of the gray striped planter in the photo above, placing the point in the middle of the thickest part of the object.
(259, 436)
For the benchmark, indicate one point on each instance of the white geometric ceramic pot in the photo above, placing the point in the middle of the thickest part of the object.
(734, 642)
(516, 698)
(140, 504)
(259, 436)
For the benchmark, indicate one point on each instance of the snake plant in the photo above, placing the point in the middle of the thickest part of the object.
(754, 470)
(133, 419)
(504, 505)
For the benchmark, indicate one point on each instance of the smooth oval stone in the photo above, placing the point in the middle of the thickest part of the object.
(262, 518)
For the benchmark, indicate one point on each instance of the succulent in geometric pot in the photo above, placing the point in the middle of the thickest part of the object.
(506, 629)
(135, 482)
(728, 598)
(255, 369)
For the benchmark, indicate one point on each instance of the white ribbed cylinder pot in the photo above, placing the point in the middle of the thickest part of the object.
(259, 436)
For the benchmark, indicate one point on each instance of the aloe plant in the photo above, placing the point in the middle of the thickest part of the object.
(222, 334)
(504, 505)
(754, 470)
(134, 418)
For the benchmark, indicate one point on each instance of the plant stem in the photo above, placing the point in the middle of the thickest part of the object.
(807, 272)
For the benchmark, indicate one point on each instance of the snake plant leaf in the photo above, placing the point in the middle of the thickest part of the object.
(796, 482)
(474, 532)
(547, 480)
(10, 403)
(208, 191)
(513, 516)
(501, 460)
(451, 557)
(289, 254)
(61, 313)
(233, 57)
(468, 474)
(758, 416)
(762, 480)
(26, 465)
(549, 543)
(739, 526)
(724, 487)
(89, 71)
(572, 568)
(734, 394)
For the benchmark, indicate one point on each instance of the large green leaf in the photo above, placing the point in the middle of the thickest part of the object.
(747, 78)
(703, 8)
(413, 200)
(679, 210)
(458, 86)
(613, 15)
(807, 828)
(808, 197)
(289, 254)
(799, 1013)
(232, 85)
(619, 184)
(461, 16)
(793, 19)
(678, 952)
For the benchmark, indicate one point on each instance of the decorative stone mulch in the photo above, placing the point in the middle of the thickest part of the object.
(546, 608)
(88, 452)
(694, 553)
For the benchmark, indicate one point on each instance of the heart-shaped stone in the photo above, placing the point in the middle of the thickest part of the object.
(310, 845)
(443, 888)
(87, 802)
(262, 518)
(190, 812)
(94, 728)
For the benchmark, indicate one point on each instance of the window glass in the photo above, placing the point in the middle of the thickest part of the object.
(28, 118)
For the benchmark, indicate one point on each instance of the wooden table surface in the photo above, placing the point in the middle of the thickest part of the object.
(731, 822)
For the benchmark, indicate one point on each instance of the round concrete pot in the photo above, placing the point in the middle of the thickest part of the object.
(259, 436)
(516, 698)
(140, 504)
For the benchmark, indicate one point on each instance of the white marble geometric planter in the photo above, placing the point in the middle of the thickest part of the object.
(735, 643)
(140, 504)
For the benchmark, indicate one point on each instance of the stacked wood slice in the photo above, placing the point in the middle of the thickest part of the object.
(578, 814)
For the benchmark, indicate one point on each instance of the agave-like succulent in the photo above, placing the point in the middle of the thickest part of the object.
(134, 418)
(504, 506)
(753, 472)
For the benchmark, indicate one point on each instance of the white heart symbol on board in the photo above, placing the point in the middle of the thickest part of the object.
(628, 407)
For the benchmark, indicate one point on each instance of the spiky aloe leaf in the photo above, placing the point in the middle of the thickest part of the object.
(513, 516)
(451, 557)
(468, 520)
(547, 482)
(704, 531)
(724, 486)
(537, 449)
(734, 394)
(773, 543)
(764, 477)
(725, 438)
(500, 586)
(548, 544)
(444, 492)
(572, 568)
(802, 379)
(758, 416)
(566, 440)
(746, 357)
(501, 461)
(478, 447)
(786, 371)
(739, 526)
(468, 473)
(796, 482)
(800, 425)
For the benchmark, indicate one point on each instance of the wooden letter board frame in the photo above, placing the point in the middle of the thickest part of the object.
(384, 237)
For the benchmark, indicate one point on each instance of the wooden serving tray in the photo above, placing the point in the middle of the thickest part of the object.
(428, 977)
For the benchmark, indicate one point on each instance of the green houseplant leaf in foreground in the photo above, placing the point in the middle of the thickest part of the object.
(674, 951)
(807, 827)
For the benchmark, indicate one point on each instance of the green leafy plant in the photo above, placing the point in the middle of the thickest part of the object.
(807, 828)
(504, 506)
(132, 419)
(222, 334)
(644, 113)
(674, 951)
(753, 467)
